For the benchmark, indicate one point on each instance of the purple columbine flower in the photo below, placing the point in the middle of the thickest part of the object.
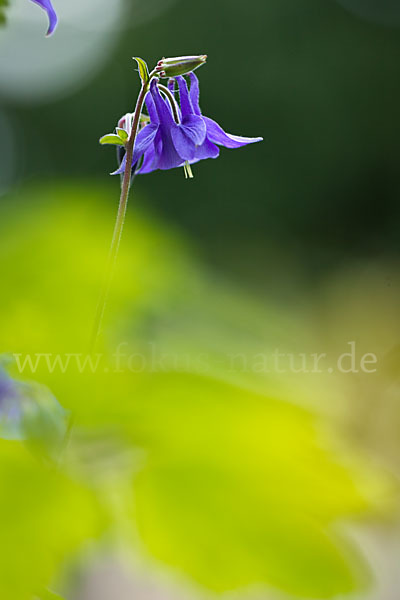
(174, 136)
(51, 13)
(164, 143)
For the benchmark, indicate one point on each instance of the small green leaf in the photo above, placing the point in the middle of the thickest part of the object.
(122, 134)
(143, 69)
(111, 138)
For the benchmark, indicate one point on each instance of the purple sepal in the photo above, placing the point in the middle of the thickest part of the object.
(51, 13)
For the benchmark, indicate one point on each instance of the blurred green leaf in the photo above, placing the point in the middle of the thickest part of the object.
(239, 489)
(3, 5)
(49, 595)
(45, 519)
(53, 257)
(233, 488)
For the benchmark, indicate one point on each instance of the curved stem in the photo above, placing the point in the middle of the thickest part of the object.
(171, 99)
(120, 220)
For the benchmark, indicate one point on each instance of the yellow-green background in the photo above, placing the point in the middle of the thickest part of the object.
(206, 479)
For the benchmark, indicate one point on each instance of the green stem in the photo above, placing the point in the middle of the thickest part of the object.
(171, 99)
(120, 220)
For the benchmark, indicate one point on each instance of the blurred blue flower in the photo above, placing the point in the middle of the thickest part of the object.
(30, 413)
(10, 409)
(51, 13)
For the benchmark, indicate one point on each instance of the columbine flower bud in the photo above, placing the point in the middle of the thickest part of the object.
(179, 65)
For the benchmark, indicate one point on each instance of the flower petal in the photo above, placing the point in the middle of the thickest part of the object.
(149, 161)
(162, 107)
(144, 139)
(151, 109)
(188, 136)
(51, 13)
(216, 134)
(169, 158)
(206, 150)
(186, 104)
(151, 156)
(195, 129)
(161, 154)
(121, 168)
(195, 93)
(176, 141)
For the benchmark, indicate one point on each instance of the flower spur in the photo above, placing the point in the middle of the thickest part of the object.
(51, 13)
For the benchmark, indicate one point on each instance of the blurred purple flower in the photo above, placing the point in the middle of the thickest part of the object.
(30, 412)
(10, 408)
(5, 389)
(51, 13)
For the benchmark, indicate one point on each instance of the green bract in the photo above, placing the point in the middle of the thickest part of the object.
(123, 134)
(143, 70)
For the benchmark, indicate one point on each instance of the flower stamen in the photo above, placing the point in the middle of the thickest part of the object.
(188, 170)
